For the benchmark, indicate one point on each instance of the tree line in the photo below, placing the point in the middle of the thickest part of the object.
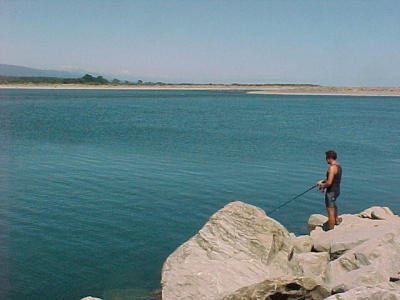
(86, 79)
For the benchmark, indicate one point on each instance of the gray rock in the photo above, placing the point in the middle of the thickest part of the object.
(310, 264)
(364, 250)
(371, 262)
(90, 298)
(239, 246)
(382, 291)
(240, 253)
(351, 232)
(302, 243)
(377, 213)
(316, 221)
(132, 293)
(282, 288)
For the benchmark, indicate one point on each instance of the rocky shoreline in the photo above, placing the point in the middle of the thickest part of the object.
(241, 253)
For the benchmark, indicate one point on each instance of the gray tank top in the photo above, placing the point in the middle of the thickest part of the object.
(335, 187)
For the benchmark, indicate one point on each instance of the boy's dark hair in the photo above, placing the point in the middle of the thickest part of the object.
(331, 154)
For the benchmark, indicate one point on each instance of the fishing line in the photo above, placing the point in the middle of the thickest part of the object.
(287, 202)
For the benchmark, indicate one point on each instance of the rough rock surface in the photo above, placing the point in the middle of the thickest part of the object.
(370, 262)
(383, 291)
(310, 264)
(363, 250)
(378, 213)
(282, 288)
(316, 221)
(351, 232)
(237, 247)
(302, 243)
(243, 254)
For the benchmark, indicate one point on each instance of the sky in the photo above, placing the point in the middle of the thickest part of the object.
(332, 42)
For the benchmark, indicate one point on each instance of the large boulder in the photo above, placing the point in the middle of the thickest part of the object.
(289, 288)
(351, 232)
(240, 253)
(364, 249)
(372, 262)
(377, 213)
(239, 246)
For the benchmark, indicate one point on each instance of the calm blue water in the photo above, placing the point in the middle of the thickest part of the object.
(99, 187)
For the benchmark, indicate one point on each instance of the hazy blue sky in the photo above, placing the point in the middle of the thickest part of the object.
(324, 42)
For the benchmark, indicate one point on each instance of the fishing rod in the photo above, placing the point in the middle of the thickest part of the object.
(287, 202)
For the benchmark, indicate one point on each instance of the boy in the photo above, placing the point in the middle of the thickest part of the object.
(332, 186)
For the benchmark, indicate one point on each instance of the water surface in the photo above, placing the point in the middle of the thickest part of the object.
(99, 187)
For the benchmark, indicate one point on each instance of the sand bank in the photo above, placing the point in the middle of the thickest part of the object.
(251, 89)
(335, 91)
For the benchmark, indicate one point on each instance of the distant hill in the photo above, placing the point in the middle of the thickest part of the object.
(20, 71)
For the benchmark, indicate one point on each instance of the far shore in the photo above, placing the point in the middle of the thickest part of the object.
(251, 89)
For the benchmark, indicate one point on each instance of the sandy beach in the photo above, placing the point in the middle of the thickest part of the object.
(325, 90)
(251, 89)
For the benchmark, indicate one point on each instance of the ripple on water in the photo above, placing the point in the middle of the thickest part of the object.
(99, 187)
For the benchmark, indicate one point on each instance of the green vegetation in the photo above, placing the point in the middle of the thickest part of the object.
(100, 80)
(87, 79)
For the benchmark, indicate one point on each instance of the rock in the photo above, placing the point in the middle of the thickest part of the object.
(310, 264)
(316, 221)
(302, 243)
(240, 253)
(282, 288)
(351, 232)
(239, 246)
(363, 250)
(371, 262)
(383, 291)
(377, 213)
(90, 298)
(132, 293)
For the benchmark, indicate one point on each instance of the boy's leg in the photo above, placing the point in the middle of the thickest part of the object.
(338, 220)
(331, 217)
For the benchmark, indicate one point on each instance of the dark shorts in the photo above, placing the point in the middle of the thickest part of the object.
(330, 199)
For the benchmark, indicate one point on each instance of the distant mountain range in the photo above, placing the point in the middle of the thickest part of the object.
(20, 71)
